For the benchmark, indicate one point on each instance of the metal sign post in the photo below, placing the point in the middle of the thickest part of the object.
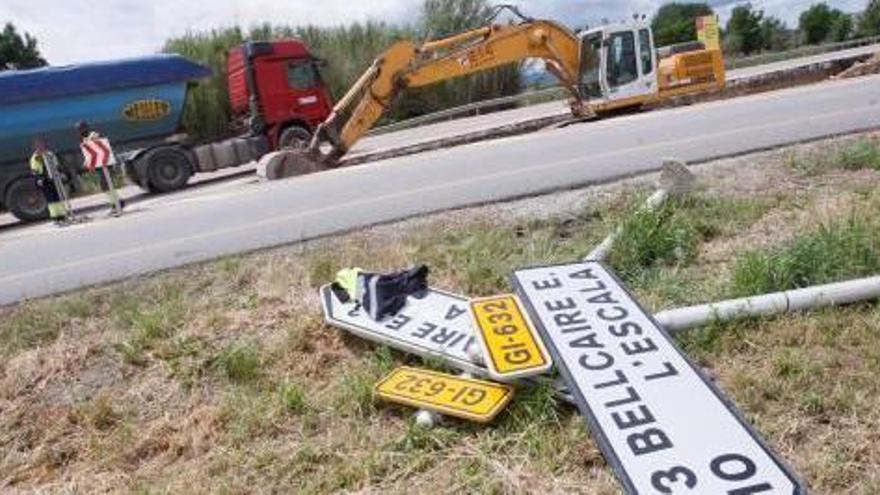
(99, 154)
(52, 165)
(660, 423)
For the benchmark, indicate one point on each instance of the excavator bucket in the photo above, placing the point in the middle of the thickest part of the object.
(290, 163)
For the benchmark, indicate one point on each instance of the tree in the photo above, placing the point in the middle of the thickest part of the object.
(676, 22)
(17, 52)
(745, 33)
(442, 18)
(869, 21)
(775, 35)
(820, 23)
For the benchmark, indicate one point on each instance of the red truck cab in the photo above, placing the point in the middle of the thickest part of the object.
(278, 87)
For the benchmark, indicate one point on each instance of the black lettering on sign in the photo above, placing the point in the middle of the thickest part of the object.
(457, 339)
(669, 370)
(454, 312)
(638, 347)
(621, 380)
(737, 467)
(625, 330)
(553, 283)
(585, 274)
(603, 298)
(649, 441)
(606, 361)
(662, 481)
(600, 285)
(443, 336)
(567, 303)
(588, 341)
(618, 313)
(398, 322)
(569, 319)
(630, 418)
(632, 396)
(424, 330)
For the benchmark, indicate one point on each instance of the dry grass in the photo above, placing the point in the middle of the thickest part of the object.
(222, 377)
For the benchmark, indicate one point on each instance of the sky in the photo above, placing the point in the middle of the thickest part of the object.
(71, 31)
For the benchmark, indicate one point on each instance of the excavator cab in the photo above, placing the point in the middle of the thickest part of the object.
(618, 66)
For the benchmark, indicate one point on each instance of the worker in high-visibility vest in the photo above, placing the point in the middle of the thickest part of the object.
(117, 204)
(43, 167)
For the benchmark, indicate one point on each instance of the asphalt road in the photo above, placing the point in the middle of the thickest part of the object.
(170, 232)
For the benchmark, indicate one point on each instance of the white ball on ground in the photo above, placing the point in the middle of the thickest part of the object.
(426, 419)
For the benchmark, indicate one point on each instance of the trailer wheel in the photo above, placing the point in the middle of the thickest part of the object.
(26, 201)
(295, 137)
(168, 169)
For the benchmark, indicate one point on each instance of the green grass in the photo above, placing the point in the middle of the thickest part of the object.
(860, 154)
(33, 324)
(833, 252)
(481, 256)
(148, 321)
(653, 237)
(863, 154)
(293, 397)
(240, 362)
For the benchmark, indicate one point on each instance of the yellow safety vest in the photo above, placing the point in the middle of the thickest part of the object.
(38, 164)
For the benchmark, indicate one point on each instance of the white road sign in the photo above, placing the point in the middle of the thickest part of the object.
(661, 424)
(437, 326)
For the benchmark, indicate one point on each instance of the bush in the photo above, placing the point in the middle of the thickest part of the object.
(652, 237)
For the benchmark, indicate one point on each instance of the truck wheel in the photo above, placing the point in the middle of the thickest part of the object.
(25, 201)
(168, 169)
(295, 137)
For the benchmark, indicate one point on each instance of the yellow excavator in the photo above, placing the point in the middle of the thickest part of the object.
(608, 68)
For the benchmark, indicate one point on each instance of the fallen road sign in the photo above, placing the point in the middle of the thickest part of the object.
(437, 326)
(660, 423)
(465, 398)
(508, 340)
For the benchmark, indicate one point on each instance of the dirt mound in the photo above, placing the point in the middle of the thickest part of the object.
(870, 66)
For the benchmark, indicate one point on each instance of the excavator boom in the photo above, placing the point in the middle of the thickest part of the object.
(406, 65)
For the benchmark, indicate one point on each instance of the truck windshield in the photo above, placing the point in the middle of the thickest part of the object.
(591, 61)
(302, 75)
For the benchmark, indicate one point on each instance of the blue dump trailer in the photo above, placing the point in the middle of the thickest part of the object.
(137, 103)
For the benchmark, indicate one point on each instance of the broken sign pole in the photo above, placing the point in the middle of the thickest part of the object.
(675, 181)
(837, 294)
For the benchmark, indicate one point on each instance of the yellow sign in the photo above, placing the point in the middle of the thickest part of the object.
(147, 110)
(509, 342)
(708, 32)
(466, 398)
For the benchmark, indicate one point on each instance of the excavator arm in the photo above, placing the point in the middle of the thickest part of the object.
(405, 65)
